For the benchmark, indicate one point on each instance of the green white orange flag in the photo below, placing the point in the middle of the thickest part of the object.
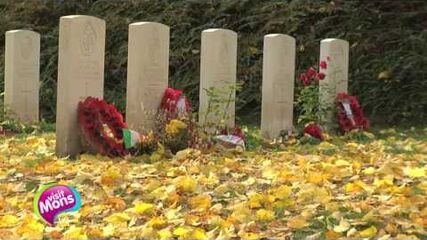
(131, 138)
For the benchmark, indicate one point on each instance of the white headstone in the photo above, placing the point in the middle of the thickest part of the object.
(80, 74)
(22, 72)
(218, 66)
(147, 79)
(278, 76)
(336, 53)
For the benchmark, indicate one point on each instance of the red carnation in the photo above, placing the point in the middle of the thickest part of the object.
(323, 64)
(320, 76)
(314, 130)
(311, 72)
(304, 79)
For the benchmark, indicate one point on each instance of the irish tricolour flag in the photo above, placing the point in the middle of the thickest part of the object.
(131, 138)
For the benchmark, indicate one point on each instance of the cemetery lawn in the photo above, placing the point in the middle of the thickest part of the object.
(363, 186)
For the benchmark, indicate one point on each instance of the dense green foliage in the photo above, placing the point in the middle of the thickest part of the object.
(388, 44)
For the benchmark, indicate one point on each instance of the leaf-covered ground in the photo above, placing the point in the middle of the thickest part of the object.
(370, 186)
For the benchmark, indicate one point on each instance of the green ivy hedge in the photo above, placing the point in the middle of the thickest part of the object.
(388, 58)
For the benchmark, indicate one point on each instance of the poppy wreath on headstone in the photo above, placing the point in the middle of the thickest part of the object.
(174, 104)
(350, 113)
(101, 125)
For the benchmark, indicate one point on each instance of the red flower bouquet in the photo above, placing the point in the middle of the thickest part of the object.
(308, 95)
(314, 130)
(174, 103)
(312, 75)
(101, 125)
(350, 113)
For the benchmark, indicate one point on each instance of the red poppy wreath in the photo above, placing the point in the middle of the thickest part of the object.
(174, 104)
(350, 113)
(101, 125)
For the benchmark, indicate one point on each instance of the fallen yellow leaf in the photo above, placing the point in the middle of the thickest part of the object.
(265, 215)
(141, 207)
(255, 200)
(75, 233)
(118, 218)
(93, 232)
(165, 234)
(415, 172)
(111, 177)
(8, 221)
(242, 213)
(331, 235)
(369, 171)
(198, 233)
(157, 222)
(201, 202)
(181, 231)
(108, 230)
(186, 184)
(249, 236)
(30, 228)
(297, 222)
(282, 192)
(368, 232)
(353, 187)
(315, 178)
(270, 173)
(342, 227)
